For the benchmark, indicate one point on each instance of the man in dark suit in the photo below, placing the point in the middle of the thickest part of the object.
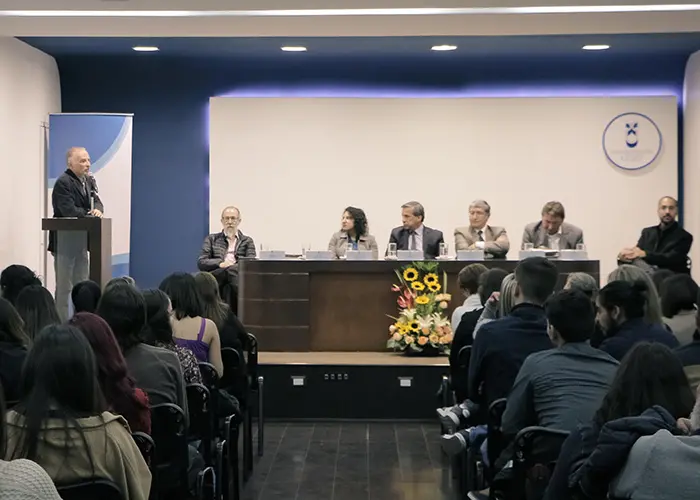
(222, 251)
(74, 195)
(664, 246)
(413, 235)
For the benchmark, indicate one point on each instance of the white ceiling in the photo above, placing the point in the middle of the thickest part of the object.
(253, 18)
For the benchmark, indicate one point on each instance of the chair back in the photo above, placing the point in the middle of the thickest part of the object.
(210, 378)
(252, 361)
(494, 432)
(90, 489)
(169, 433)
(206, 484)
(536, 450)
(463, 357)
(146, 446)
(201, 418)
(233, 370)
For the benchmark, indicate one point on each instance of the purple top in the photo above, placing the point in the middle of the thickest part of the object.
(198, 347)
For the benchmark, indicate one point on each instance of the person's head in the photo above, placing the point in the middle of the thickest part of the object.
(11, 325)
(659, 276)
(570, 317)
(230, 219)
(159, 328)
(536, 278)
(479, 213)
(354, 221)
(78, 161)
(184, 296)
(15, 277)
(59, 380)
(552, 216)
(37, 308)
(412, 215)
(632, 274)
(215, 309)
(85, 296)
(507, 301)
(649, 374)
(468, 278)
(123, 308)
(621, 301)
(121, 280)
(678, 293)
(583, 282)
(667, 210)
(490, 282)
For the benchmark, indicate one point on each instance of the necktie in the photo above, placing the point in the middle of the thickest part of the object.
(481, 235)
(413, 240)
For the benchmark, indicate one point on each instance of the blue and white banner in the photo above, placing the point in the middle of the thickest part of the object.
(108, 140)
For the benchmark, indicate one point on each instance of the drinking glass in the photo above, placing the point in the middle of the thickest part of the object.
(391, 251)
(443, 250)
(555, 245)
(528, 247)
(581, 247)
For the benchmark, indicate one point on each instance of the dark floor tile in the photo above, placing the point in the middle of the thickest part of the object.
(352, 448)
(279, 490)
(350, 491)
(315, 490)
(320, 473)
(321, 456)
(382, 432)
(326, 432)
(353, 432)
(285, 473)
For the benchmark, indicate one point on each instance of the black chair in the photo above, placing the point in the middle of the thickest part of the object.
(256, 387)
(206, 484)
(234, 468)
(90, 489)
(147, 447)
(535, 455)
(169, 433)
(222, 482)
(202, 420)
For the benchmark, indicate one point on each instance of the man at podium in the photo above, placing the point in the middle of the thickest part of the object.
(74, 195)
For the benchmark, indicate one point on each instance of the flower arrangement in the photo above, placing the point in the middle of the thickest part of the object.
(421, 324)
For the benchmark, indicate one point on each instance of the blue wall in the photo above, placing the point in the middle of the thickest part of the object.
(169, 98)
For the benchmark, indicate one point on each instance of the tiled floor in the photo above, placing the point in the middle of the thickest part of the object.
(350, 461)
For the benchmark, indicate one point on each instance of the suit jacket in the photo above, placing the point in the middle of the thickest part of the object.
(667, 249)
(339, 244)
(70, 200)
(537, 235)
(431, 240)
(495, 238)
(215, 248)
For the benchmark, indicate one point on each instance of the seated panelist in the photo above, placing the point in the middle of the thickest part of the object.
(552, 232)
(493, 240)
(413, 234)
(353, 234)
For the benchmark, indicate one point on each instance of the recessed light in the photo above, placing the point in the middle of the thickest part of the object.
(293, 48)
(595, 47)
(443, 48)
(145, 48)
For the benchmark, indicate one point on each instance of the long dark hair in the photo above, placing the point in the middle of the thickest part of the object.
(630, 297)
(359, 220)
(158, 327)
(650, 374)
(117, 385)
(85, 296)
(678, 293)
(215, 309)
(184, 296)
(37, 308)
(123, 308)
(11, 325)
(15, 277)
(59, 381)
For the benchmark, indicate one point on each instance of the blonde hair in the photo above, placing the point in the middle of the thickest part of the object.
(629, 273)
(507, 299)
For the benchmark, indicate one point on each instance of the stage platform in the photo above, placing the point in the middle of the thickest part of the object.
(350, 385)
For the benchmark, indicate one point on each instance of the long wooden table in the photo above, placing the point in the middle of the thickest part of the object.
(297, 305)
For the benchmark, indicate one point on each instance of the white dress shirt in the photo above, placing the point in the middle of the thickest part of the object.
(418, 235)
(471, 303)
(553, 240)
(231, 252)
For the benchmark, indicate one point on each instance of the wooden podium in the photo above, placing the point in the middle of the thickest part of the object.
(99, 237)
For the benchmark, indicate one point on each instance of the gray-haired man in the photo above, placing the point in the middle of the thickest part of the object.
(493, 240)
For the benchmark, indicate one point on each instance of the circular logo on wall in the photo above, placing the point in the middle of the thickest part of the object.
(632, 141)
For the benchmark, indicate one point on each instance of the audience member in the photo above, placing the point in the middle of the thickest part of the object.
(498, 304)
(678, 296)
(632, 274)
(61, 422)
(636, 388)
(85, 296)
(121, 280)
(468, 280)
(159, 333)
(190, 328)
(689, 355)
(659, 276)
(621, 309)
(15, 277)
(22, 479)
(157, 371)
(118, 387)
(232, 333)
(13, 349)
(37, 308)
(587, 284)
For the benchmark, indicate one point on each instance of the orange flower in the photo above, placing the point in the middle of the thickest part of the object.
(422, 340)
(434, 338)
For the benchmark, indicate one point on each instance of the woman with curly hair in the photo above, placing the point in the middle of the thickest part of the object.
(353, 234)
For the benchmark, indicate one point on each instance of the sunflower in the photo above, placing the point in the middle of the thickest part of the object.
(430, 278)
(434, 287)
(410, 274)
(414, 326)
(418, 286)
(422, 300)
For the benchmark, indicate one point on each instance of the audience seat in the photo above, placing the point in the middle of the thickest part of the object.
(206, 484)
(169, 433)
(90, 489)
(202, 419)
(147, 447)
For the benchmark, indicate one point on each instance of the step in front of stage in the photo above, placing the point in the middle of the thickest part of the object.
(362, 385)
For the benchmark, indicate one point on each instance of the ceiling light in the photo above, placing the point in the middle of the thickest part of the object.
(595, 47)
(145, 48)
(443, 48)
(293, 48)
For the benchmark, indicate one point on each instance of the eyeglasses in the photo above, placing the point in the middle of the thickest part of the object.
(232, 219)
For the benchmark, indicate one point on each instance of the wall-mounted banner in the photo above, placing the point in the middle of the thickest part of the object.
(107, 138)
(632, 141)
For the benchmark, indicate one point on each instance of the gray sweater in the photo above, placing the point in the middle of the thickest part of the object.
(660, 467)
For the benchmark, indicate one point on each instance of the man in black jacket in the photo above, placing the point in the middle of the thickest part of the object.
(413, 234)
(664, 246)
(74, 195)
